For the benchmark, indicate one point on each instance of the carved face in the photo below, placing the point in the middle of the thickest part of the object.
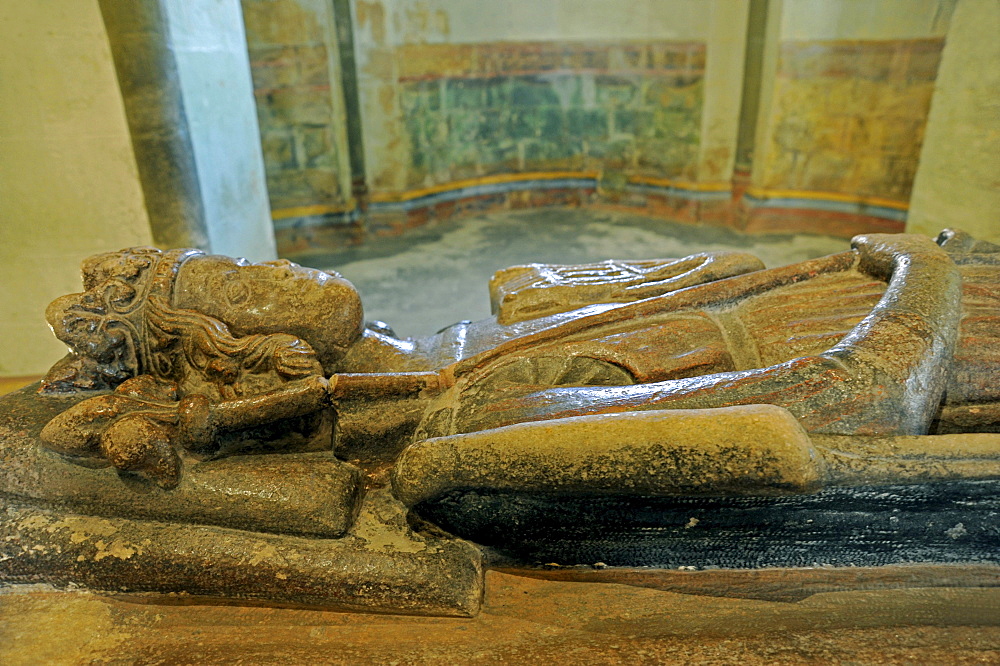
(274, 297)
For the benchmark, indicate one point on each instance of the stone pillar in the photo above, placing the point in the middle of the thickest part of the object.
(756, 31)
(724, 73)
(147, 77)
(185, 78)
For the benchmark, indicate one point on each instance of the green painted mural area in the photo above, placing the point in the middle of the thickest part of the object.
(297, 94)
(635, 120)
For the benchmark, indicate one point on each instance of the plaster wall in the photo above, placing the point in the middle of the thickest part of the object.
(396, 22)
(467, 106)
(293, 48)
(958, 182)
(864, 19)
(765, 98)
(69, 186)
(723, 93)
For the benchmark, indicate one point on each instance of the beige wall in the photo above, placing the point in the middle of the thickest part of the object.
(68, 180)
(768, 73)
(474, 21)
(958, 180)
(723, 90)
(864, 19)
(300, 105)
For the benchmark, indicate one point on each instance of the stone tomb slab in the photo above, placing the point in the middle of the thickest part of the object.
(284, 531)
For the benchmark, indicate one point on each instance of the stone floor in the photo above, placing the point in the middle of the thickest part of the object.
(438, 274)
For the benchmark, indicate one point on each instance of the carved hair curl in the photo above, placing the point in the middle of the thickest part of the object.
(124, 326)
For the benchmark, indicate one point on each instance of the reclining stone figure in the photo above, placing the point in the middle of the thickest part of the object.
(253, 398)
(892, 338)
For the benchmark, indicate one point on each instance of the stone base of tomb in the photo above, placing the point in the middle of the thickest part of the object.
(298, 530)
(380, 566)
(280, 529)
(937, 614)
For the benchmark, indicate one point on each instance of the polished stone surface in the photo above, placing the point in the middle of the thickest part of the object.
(439, 274)
(905, 614)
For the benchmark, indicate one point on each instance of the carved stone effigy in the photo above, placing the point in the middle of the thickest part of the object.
(226, 429)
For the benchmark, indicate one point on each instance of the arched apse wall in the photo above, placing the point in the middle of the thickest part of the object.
(467, 105)
(958, 183)
(297, 63)
(757, 114)
(845, 93)
(476, 104)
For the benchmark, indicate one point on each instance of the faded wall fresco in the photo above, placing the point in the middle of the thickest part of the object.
(477, 109)
(467, 106)
(293, 58)
(845, 92)
(849, 116)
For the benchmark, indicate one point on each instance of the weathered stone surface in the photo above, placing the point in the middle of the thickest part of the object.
(639, 398)
(380, 566)
(304, 494)
(757, 449)
(635, 618)
(528, 292)
(751, 450)
(879, 370)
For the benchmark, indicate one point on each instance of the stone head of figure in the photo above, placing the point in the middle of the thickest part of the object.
(183, 314)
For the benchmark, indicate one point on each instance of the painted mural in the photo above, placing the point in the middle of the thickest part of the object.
(482, 109)
(507, 124)
(850, 116)
(847, 125)
(458, 116)
(299, 108)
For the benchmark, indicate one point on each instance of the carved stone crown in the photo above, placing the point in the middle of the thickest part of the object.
(106, 326)
(125, 282)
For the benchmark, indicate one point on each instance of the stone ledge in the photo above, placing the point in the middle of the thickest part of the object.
(303, 494)
(381, 566)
